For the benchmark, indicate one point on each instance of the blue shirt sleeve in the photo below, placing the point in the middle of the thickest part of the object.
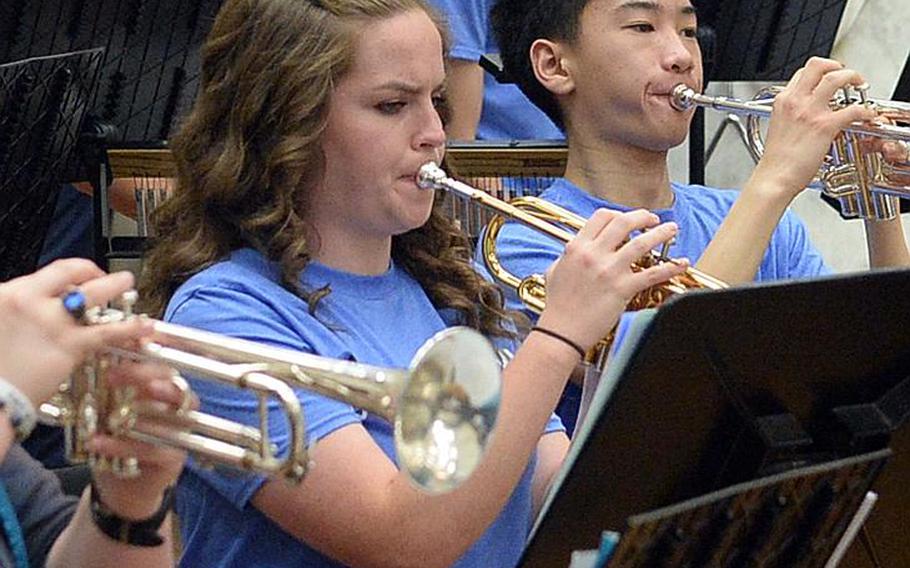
(237, 313)
(469, 23)
(804, 260)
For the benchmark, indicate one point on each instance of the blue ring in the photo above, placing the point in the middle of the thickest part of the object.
(74, 304)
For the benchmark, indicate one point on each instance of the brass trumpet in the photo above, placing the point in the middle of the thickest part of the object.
(859, 178)
(560, 224)
(443, 407)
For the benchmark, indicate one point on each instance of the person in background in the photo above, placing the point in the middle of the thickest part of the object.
(481, 107)
(603, 71)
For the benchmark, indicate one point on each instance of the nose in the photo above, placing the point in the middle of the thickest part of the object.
(430, 136)
(679, 53)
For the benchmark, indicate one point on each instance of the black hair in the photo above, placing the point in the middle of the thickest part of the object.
(519, 23)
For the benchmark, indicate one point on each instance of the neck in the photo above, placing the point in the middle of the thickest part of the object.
(620, 173)
(354, 253)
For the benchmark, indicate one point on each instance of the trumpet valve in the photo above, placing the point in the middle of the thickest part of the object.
(128, 302)
(88, 418)
(125, 468)
(121, 420)
(664, 255)
(840, 180)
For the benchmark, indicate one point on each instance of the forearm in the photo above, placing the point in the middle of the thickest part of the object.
(737, 249)
(83, 544)
(551, 453)
(122, 192)
(465, 99)
(887, 244)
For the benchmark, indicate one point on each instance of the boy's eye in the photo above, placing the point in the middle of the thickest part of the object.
(644, 27)
(690, 32)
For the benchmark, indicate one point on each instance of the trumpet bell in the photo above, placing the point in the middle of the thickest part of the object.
(447, 409)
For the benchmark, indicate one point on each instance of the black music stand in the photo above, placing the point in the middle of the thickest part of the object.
(758, 40)
(726, 387)
(902, 90)
(42, 105)
(150, 70)
(148, 78)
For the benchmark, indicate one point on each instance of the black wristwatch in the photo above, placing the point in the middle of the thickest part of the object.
(135, 533)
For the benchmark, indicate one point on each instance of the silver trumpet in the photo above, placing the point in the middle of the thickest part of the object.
(853, 173)
(443, 408)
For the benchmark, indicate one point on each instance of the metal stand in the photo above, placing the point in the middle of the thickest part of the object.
(802, 518)
(148, 77)
(688, 409)
(42, 105)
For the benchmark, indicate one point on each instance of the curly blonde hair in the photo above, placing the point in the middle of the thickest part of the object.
(250, 149)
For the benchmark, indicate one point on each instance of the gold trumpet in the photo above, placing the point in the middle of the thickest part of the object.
(854, 174)
(443, 407)
(561, 225)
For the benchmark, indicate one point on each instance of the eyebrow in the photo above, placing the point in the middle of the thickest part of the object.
(404, 87)
(651, 7)
(399, 86)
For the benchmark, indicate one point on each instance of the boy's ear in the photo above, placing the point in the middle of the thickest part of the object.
(551, 66)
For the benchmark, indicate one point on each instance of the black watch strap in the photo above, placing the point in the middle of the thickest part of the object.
(136, 533)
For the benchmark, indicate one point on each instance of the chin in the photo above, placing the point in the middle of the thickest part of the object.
(677, 140)
(664, 141)
(413, 222)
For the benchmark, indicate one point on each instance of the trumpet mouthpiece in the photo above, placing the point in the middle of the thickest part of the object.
(682, 97)
(430, 176)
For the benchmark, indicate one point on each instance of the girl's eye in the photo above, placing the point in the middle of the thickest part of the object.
(441, 104)
(690, 33)
(391, 107)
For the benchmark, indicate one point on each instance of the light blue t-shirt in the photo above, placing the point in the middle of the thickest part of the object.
(378, 320)
(698, 211)
(507, 114)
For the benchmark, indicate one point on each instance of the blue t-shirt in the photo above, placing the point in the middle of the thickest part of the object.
(378, 320)
(507, 114)
(698, 211)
